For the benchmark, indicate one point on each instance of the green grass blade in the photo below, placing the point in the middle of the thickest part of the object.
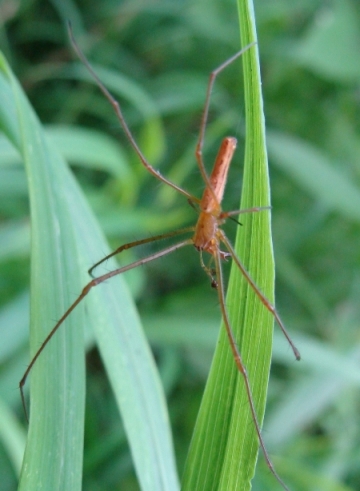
(224, 448)
(53, 453)
(65, 241)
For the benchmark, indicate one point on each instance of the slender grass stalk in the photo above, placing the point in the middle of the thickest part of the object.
(66, 240)
(224, 447)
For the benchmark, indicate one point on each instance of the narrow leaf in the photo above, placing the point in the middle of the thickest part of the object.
(224, 448)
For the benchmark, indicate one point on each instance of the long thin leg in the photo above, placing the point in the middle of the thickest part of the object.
(227, 214)
(200, 143)
(116, 106)
(241, 367)
(136, 243)
(85, 291)
(211, 272)
(260, 295)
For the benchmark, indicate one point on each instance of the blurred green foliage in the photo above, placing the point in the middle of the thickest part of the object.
(156, 57)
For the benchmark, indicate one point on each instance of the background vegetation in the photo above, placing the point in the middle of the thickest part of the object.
(162, 52)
